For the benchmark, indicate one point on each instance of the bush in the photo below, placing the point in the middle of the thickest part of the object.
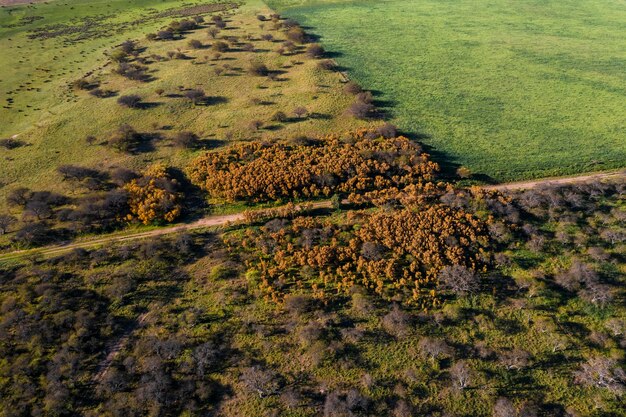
(361, 110)
(132, 101)
(185, 139)
(458, 279)
(327, 64)
(125, 138)
(258, 68)
(279, 117)
(196, 96)
(352, 88)
(195, 44)
(315, 50)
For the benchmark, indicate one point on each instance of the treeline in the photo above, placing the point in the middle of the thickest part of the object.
(351, 164)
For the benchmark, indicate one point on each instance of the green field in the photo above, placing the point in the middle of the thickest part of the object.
(513, 90)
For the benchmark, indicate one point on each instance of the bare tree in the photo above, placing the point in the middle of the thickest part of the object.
(397, 322)
(602, 372)
(461, 374)
(514, 359)
(6, 221)
(459, 280)
(434, 348)
(132, 101)
(261, 381)
(504, 408)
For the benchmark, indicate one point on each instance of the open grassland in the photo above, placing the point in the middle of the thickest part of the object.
(513, 90)
(54, 122)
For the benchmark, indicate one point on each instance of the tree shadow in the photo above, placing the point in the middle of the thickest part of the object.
(146, 105)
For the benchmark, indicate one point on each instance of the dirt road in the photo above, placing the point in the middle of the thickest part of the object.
(206, 222)
(578, 179)
(222, 220)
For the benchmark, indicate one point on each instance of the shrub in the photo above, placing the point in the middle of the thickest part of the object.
(352, 88)
(195, 44)
(185, 140)
(315, 50)
(196, 96)
(361, 110)
(258, 69)
(125, 138)
(132, 101)
(279, 117)
(458, 279)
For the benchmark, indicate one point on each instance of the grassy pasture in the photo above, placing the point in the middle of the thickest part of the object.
(59, 119)
(513, 90)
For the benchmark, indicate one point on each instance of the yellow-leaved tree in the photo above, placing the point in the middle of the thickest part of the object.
(153, 198)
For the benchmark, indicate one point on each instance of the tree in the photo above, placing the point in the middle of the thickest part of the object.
(397, 322)
(153, 197)
(258, 69)
(361, 110)
(504, 408)
(602, 372)
(434, 348)
(220, 46)
(514, 359)
(279, 117)
(458, 279)
(300, 111)
(196, 96)
(352, 88)
(387, 131)
(315, 50)
(213, 32)
(460, 374)
(296, 34)
(262, 382)
(185, 139)
(125, 138)
(195, 44)
(165, 35)
(132, 101)
(6, 221)
(255, 125)
(19, 197)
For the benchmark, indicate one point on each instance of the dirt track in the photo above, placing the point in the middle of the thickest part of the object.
(527, 185)
(222, 220)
